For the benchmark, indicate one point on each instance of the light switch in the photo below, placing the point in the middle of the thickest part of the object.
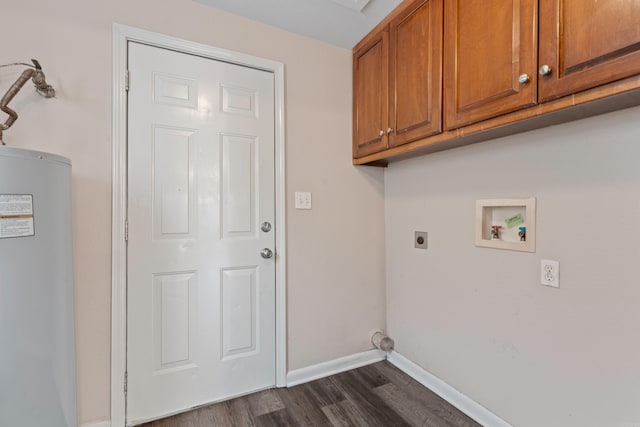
(303, 200)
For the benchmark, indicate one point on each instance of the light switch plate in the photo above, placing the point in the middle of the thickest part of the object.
(303, 200)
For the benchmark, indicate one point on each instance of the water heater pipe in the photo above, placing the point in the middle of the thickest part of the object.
(38, 78)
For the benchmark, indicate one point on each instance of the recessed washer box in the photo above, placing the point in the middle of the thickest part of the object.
(509, 215)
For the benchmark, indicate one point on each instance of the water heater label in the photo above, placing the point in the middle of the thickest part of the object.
(16, 215)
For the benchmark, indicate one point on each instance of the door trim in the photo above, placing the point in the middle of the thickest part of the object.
(123, 34)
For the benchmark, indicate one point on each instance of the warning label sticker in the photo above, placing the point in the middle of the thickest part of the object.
(16, 215)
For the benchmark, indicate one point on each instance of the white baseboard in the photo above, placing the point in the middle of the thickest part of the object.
(335, 366)
(97, 424)
(472, 409)
(299, 376)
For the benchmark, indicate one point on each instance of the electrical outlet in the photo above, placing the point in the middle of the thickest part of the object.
(550, 273)
(420, 240)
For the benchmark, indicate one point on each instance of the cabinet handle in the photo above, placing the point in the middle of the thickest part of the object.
(524, 78)
(381, 132)
(545, 70)
(389, 130)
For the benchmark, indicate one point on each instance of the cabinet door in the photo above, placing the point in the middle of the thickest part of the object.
(490, 58)
(587, 43)
(415, 76)
(371, 96)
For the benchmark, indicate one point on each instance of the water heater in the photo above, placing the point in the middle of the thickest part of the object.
(37, 339)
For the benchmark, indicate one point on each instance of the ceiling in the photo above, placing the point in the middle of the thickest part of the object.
(338, 22)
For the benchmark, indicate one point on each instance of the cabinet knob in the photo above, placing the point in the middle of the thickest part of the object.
(545, 70)
(389, 130)
(381, 132)
(524, 78)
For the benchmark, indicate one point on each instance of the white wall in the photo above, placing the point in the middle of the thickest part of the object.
(336, 257)
(479, 319)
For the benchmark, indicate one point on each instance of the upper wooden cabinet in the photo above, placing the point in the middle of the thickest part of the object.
(495, 65)
(415, 109)
(371, 95)
(586, 44)
(397, 80)
(490, 59)
(438, 74)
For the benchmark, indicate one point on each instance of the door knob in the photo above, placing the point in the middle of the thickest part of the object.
(545, 70)
(524, 78)
(265, 226)
(266, 253)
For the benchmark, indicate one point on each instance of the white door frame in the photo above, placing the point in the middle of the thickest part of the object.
(121, 36)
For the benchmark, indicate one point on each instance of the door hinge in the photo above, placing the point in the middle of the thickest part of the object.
(126, 230)
(126, 81)
(126, 375)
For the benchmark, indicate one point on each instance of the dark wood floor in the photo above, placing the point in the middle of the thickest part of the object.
(375, 395)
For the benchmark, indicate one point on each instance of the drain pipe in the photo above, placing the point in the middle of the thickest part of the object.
(382, 342)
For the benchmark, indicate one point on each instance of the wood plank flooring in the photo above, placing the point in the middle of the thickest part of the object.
(375, 395)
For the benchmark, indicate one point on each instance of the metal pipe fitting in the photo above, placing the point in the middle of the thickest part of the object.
(37, 76)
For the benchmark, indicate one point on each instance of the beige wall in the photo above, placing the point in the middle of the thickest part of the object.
(475, 317)
(336, 258)
(479, 319)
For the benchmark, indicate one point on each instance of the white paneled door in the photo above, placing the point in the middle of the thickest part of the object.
(200, 282)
